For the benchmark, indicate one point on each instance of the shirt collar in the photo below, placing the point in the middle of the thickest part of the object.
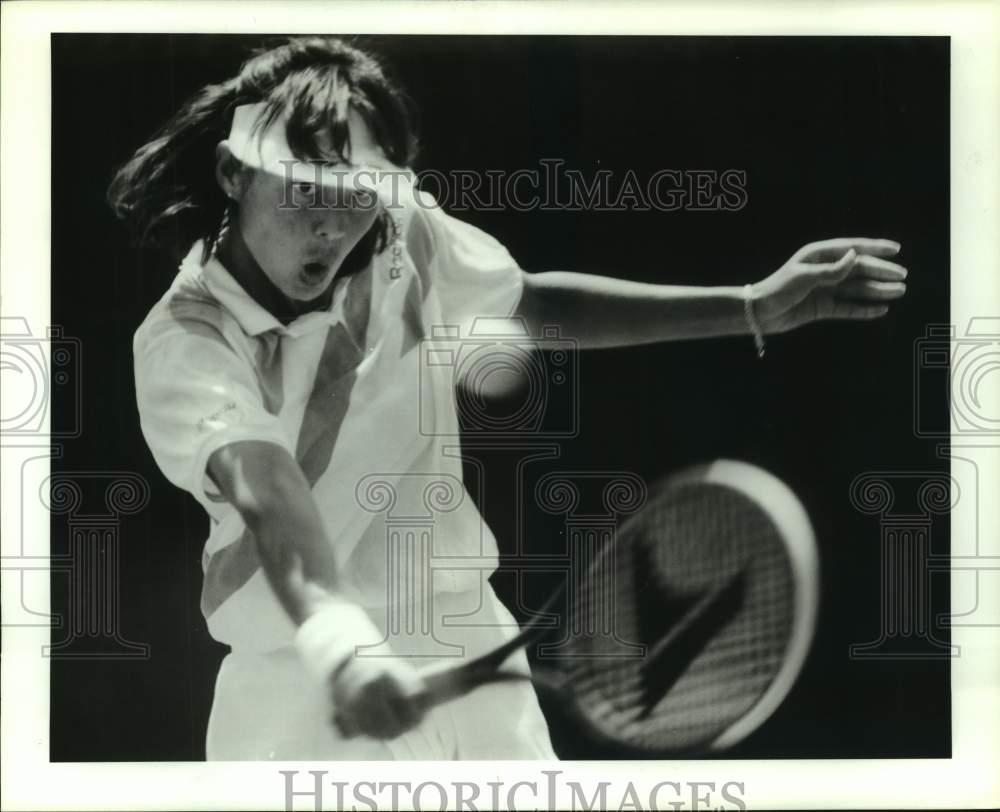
(253, 318)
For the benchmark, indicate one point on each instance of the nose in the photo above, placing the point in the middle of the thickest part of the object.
(336, 223)
(328, 228)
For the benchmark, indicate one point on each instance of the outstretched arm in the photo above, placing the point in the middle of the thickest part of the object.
(271, 494)
(846, 278)
(377, 696)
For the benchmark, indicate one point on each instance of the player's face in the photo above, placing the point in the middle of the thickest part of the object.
(300, 233)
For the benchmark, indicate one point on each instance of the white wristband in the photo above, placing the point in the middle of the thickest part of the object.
(330, 637)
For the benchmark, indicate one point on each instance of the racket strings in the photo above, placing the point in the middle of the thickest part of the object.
(716, 535)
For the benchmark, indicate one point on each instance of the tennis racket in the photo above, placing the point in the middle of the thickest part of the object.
(714, 586)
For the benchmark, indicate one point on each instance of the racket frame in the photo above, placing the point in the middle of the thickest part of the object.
(445, 681)
(796, 532)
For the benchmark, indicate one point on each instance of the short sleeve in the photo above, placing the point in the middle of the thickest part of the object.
(196, 394)
(472, 273)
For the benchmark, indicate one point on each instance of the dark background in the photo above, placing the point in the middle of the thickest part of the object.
(838, 137)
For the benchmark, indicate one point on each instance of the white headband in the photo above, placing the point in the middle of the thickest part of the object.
(267, 148)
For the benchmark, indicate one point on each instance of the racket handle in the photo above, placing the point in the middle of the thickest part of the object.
(442, 684)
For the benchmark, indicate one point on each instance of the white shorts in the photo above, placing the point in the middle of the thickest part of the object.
(267, 707)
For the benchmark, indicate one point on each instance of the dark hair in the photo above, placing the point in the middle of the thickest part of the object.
(167, 191)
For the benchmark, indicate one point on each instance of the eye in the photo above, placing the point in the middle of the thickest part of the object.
(306, 192)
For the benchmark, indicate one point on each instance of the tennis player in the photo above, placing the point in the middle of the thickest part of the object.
(282, 368)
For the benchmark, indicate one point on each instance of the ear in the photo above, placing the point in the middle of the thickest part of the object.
(230, 172)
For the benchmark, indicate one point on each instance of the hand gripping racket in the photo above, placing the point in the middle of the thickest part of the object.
(713, 591)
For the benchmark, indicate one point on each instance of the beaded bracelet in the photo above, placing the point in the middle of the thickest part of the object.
(751, 319)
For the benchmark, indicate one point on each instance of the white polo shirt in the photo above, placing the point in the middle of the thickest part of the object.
(341, 391)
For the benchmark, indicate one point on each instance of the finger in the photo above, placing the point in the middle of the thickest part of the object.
(390, 712)
(833, 273)
(365, 719)
(364, 716)
(379, 723)
(408, 711)
(345, 726)
(831, 250)
(869, 290)
(409, 682)
(413, 697)
(386, 719)
(420, 698)
(880, 269)
(407, 692)
(853, 312)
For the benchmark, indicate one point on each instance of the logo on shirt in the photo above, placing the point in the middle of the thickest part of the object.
(396, 267)
(226, 416)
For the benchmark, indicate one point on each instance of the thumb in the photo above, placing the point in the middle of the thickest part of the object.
(832, 273)
(409, 681)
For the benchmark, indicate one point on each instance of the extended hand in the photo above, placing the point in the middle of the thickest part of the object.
(844, 278)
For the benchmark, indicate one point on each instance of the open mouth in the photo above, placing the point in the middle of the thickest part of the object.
(315, 269)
